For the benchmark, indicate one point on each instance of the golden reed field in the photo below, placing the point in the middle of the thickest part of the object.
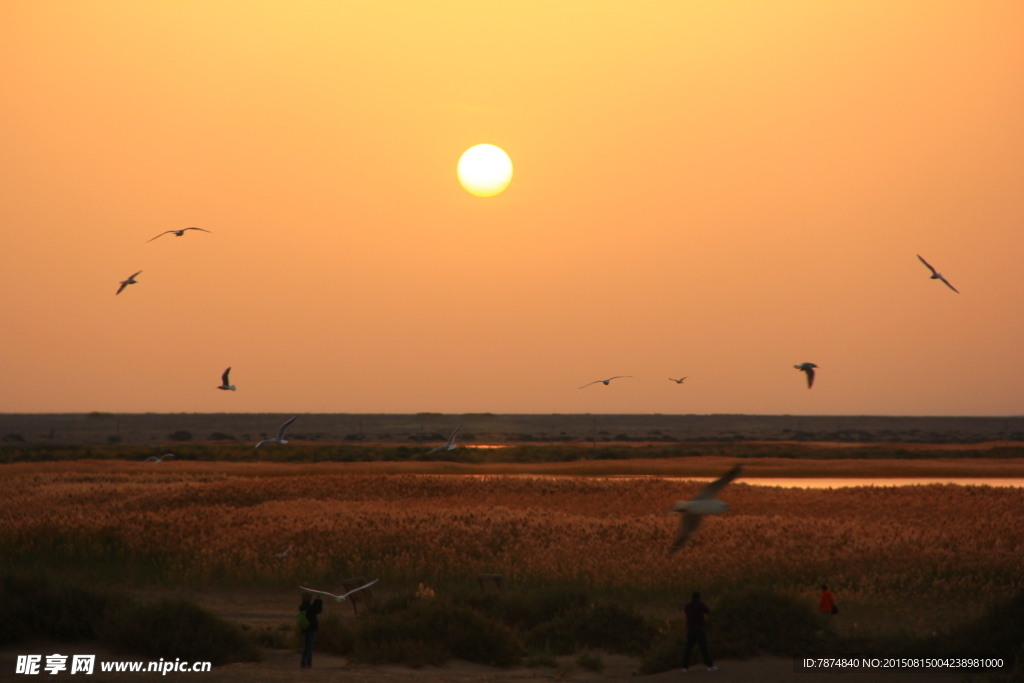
(222, 524)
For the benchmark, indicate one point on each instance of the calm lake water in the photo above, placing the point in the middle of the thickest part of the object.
(847, 482)
(809, 482)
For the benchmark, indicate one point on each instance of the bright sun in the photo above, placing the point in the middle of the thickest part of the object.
(485, 170)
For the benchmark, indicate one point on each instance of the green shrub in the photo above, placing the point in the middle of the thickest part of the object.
(667, 652)
(411, 652)
(745, 623)
(418, 632)
(605, 626)
(998, 633)
(176, 628)
(542, 659)
(336, 636)
(527, 609)
(33, 606)
(281, 637)
(37, 607)
(589, 660)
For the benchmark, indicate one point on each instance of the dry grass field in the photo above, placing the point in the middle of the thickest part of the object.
(222, 524)
(903, 561)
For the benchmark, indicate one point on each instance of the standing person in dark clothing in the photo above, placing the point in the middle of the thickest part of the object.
(695, 635)
(311, 608)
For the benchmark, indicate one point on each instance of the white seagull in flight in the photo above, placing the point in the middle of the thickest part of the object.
(450, 446)
(224, 382)
(677, 381)
(177, 233)
(703, 504)
(129, 281)
(605, 381)
(285, 553)
(280, 434)
(936, 275)
(153, 458)
(809, 369)
(339, 598)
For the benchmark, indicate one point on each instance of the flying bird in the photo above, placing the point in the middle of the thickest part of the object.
(129, 281)
(339, 598)
(280, 434)
(285, 553)
(177, 233)
(809, 369)
(153, 458)
(677, 381)
(604, 381)
(450, 446)
(936, 275)
(703, 504)
(224, 382)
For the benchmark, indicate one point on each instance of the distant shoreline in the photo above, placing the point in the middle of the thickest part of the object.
(97, 428)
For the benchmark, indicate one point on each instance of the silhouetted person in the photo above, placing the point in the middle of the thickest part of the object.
(695, 634)
(311, 608)
(827, 601)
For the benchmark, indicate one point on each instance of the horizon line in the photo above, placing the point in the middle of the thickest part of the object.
(490, 414)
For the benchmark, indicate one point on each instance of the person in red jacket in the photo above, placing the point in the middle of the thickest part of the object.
(827, 601)
(695, 634)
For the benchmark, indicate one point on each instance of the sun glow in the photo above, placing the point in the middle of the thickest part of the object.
(485, 170)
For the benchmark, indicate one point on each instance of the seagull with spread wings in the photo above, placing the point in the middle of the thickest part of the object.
(177, 233)
(280, 434)
(129, 281)
(153, 458)
(604, 381)
(936, 275)
(339, 598)
(809, 369)
(224, 384)
(703, 504)
(677, 381)
(285, 553)
(450, 446)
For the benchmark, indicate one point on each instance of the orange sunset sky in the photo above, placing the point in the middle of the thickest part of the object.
(712, 189)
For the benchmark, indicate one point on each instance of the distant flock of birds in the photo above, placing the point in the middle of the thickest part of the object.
(692, 511)
(225, 384)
